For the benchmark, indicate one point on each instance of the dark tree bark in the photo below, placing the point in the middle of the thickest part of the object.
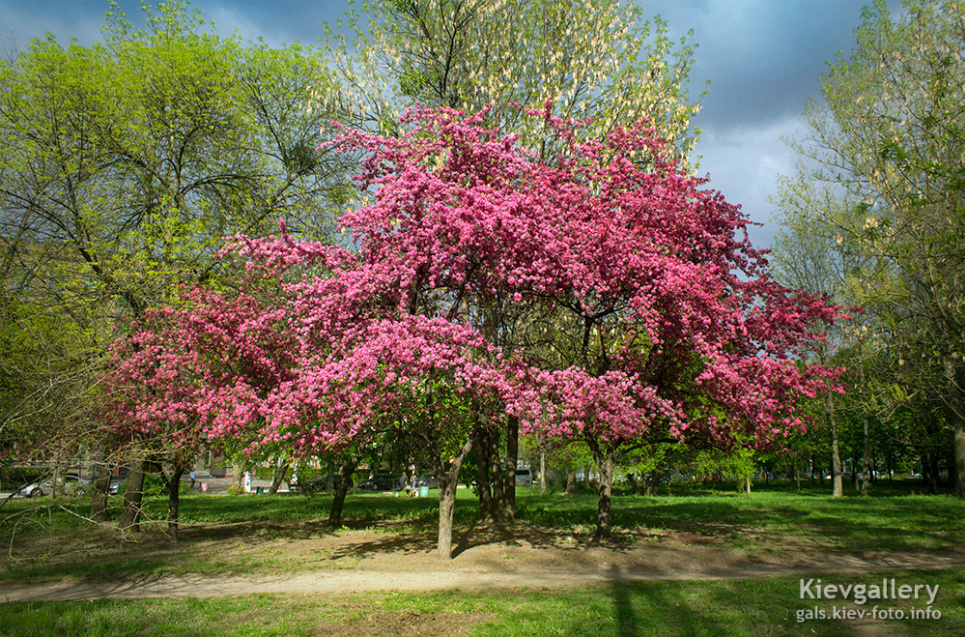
(497, 476)
(341, 489)
(508, 508)
(483, 486)
(955, 416)
(933, 473)
(173, 484)
(605, 459)
(101, 483)
(632, 480)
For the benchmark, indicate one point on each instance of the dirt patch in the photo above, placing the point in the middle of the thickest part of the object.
(298, 559)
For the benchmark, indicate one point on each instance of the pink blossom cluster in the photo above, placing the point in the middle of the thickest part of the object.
(663, 320)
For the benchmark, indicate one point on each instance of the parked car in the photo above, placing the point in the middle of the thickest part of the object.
(322, 483)
(524, 477)
(71, 484)
(380, 482)
(37, 489)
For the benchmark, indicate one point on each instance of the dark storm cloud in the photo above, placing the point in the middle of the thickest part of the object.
(762, 57)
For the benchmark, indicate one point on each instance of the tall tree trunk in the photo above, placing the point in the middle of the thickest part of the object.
(632, 481)
(866, 455)
(570, 481)
(866, 458)
(925, 469)
(483, 486)
(341, 489)
(101, 483)
(174, 501)
(508, 508)
(133, 497)
(605, 460)
(498, 476)
(955, 415)
(542, 471)
(837, 490)
(55, 486)
(448, 483)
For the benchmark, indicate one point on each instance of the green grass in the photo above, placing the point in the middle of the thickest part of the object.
(775, 520)
(740, 607)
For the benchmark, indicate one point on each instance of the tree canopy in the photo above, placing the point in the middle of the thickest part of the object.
(600, 62)
(880, 185)
(670, 326)
(127, 162)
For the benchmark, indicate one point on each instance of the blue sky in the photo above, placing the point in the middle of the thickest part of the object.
(762, 57)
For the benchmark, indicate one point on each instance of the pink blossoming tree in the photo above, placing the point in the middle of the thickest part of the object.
(606, 296)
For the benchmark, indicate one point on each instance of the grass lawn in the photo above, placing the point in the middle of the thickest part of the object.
(44, 540)
(751, 607)
(767, 521)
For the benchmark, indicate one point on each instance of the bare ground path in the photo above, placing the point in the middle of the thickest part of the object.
(357, 561)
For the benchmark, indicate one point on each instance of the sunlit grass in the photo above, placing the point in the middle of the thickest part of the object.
(739, 607)
(777, 519)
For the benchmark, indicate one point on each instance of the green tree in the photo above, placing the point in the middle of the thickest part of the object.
(126, 163)
(886, 143)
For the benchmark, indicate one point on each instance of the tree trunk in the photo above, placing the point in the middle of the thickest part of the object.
(101, 483)
(55, 486)
(605, 464)
(632, 481)
(542, 472)
(924, 468)
(570, 481)
(448, 483)
(497, 477)
(483, 487)
(133, 497)
(341, 489)
(837, 490)
(174, 501)
(866, 459)
(866, 455)
(280, 472)
(508, 508)
(237, 477)
(955, 415)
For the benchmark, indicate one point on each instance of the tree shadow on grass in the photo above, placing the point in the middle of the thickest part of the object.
(466, 537)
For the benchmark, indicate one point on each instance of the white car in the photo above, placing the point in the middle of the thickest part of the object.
(71, 483)
(524, 478)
